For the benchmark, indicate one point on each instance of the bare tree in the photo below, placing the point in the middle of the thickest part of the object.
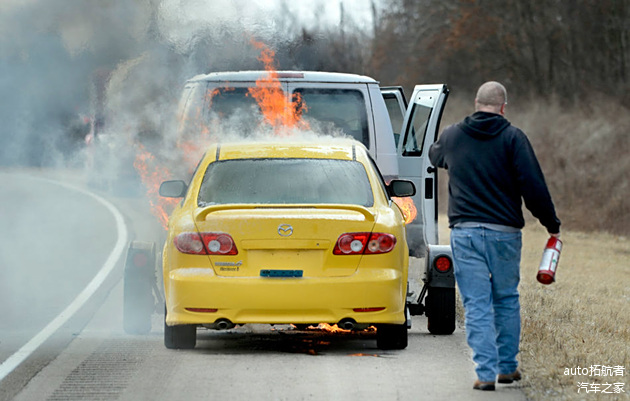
(568, 48)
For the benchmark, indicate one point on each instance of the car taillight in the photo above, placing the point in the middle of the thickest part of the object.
(140, 259)
(206, 244)
(442, 264)
(190, 243)
(351, 243)
(364, 243)
(380, 243)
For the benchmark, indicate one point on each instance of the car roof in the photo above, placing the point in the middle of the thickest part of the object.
(342, 149)
(288, 76)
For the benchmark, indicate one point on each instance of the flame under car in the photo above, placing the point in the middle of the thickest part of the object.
(284, 232)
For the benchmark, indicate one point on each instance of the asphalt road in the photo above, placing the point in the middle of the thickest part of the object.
(258, 362)
(53, 242)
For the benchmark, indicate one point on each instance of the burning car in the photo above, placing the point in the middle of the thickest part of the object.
(286, 232)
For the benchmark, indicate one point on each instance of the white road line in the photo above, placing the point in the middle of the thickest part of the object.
(20, 356)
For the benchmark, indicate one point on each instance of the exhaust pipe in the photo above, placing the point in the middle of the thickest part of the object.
(347, 324)
(220, 324)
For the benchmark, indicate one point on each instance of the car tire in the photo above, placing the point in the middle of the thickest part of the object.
(391, 336)
(180, 336)
(138, 301)
(440, 310)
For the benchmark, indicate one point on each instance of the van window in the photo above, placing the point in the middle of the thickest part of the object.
(396, 115)
(227, 102)
(333, 110)
(234, 109)
(420, 113)
(191, 112)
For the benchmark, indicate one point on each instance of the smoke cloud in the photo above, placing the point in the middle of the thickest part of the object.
(117, 67)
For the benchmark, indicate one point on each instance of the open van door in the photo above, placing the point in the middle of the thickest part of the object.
(419, 131)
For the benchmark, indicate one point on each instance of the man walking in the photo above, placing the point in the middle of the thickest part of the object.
(492, 168)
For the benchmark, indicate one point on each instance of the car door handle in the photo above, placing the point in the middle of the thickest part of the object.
(431, 169)
(428, 188)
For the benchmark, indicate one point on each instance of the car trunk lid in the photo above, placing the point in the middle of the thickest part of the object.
(280, 241)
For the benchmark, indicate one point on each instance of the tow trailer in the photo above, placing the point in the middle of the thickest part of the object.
(436, 300)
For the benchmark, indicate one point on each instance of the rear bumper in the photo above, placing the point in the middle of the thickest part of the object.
(285, 300)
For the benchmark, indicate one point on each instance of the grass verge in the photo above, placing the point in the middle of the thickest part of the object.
(581, 320)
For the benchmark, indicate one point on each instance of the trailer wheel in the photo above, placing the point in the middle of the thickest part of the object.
(391, 336)
(440, 310)
(138, 300)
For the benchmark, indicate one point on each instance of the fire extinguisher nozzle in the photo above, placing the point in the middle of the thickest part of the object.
(544, 278)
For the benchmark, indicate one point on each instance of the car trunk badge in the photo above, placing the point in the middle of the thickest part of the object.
(285, 230)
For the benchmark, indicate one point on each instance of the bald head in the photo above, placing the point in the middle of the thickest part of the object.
(491, 97)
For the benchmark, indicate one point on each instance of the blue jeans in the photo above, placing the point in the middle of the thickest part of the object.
(487, 265)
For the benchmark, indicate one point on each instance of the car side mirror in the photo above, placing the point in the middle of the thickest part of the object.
(173, 189)
(401, 188)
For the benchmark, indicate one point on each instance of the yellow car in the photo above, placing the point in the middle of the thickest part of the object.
(285, 232)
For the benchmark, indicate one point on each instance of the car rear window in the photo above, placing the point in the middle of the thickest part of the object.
(285, 181)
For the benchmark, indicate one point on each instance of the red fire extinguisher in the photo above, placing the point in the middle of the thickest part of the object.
(549, 263)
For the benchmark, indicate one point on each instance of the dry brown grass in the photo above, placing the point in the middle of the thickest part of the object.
(581, 320)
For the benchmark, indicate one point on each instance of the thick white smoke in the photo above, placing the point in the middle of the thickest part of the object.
(119, 63)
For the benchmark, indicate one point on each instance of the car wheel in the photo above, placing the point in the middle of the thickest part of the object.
(137, 307)
(138, 301)
(180, 336)
(440, 310)
(391, 336)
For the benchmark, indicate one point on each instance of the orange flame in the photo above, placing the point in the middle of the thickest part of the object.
(281, 113)
(152, 176)
(332, 329)
(407, 207)
(278, 111)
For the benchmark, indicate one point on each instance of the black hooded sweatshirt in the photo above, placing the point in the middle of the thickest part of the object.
(492, 166)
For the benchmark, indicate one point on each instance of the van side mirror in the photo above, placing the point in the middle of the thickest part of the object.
(173, 189)
(401, 188)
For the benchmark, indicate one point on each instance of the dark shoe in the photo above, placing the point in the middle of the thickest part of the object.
(484, 386)
(510, 377)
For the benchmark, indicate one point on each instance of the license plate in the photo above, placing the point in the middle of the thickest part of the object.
(280, 273)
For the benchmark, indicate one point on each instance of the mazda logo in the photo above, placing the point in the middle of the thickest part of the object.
(285, 230)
